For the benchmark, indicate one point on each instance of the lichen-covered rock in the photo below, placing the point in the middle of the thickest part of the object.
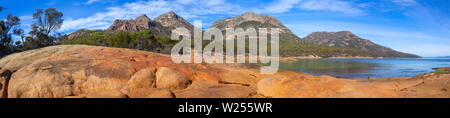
(243, 77)
(210, 90)
(306, 86)
(171, 79)
(150, 93)
(16, 61)
(298, 87)
(437, 86)
(4, 79)
(31, 82)
(144, 78)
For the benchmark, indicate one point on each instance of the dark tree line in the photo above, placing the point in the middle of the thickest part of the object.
(43, 33)
(142, 40)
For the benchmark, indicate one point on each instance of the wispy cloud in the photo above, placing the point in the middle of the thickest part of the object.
(405, 2)
(281, 6)
(278, 6)
(333, 5)
(91, 1)
(26, 22)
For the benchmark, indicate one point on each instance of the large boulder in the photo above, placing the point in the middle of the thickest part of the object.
(150, 93)
(171, 79)
(4, 79)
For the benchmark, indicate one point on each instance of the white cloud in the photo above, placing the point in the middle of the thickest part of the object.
(281, 6)
(91, 1)
(333, 5)
(25, 23)
(98, 1)
(405, 2)
(26, 18)
(278, 6)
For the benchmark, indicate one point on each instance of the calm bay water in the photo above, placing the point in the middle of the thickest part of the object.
(364, 68)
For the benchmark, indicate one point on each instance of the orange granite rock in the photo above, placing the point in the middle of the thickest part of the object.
(171, 79)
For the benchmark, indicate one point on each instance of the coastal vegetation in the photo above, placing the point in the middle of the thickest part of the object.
(142, 40)
(437, 71)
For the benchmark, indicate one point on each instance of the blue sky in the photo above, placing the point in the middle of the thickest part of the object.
(415, 26)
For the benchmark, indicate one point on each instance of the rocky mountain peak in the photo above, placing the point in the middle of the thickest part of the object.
(161, 25)
(140, 23)
(345, 32)
(143, 18)
(173, 20)
(171, 13)
(249, 14)
(251, 19)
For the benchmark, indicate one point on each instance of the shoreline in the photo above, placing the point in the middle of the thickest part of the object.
(352, 57)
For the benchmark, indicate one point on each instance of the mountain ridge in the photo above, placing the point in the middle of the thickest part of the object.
(251, 19)
(347, 39)
(161, 25)
(322, 44)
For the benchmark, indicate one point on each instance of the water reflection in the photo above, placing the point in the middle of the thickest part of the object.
(334, 68)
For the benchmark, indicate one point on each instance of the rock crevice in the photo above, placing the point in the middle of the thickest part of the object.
(5, 76)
